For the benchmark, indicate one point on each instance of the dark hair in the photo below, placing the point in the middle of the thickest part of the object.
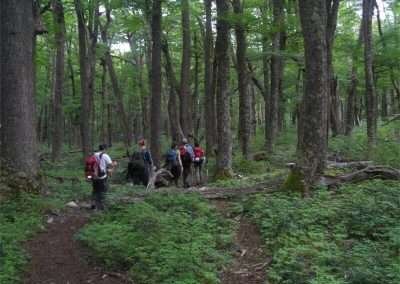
(196, 144)
(173, 145)
(102, 147)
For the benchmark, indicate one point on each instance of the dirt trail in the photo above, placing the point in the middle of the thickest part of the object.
(250, 261)
(57, 258)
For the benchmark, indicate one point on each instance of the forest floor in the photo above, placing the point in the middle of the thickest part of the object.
(56, 257)
(250, 260)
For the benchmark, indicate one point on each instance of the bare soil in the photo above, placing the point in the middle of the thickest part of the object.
(57, 258)
(250, 260)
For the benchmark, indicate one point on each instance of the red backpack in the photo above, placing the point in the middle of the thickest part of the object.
(198, 152)
(92, 167)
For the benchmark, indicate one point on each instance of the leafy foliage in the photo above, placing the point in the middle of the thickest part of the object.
(166, 239)
(19, 219)
(350, 237)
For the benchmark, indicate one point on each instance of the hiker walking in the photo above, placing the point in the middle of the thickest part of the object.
(187, 155)
(147, 159)
(199, 159)
(173, 162)
(101, 165)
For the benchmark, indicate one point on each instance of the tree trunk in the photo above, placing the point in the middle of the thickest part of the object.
(209, 92)
(196, 106)
(185, 96)
(173, 107)
(87, 59)
(266, 75)
(18, 139)
(351, 101)
(334, 100)
(314, 116)
(276, 75)
(224, 135)
(243, 83)
(155, 117)
(370, 94)
(58, 123)
(114, 82)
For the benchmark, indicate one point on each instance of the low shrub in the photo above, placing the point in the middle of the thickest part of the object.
(350, 237)
(166, 239)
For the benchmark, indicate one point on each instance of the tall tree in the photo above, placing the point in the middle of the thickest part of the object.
(243, 81)
(276, 74)
(370, 94)
(17, 105)
(114, 80)
(173, 109)
(314, 116)
(58, 124)
(224, 134)
(185, 96)
(332, 7)
(155, 118)
(209, 100)
(88, 32)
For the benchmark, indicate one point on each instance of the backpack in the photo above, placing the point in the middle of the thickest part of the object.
(92, 167)
(198, 152)
(171, 158)
(137, 160)
(185, 154)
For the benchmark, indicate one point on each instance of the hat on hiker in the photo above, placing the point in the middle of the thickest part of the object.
(142, 142)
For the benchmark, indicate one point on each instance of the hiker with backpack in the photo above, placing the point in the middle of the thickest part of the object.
(199, 159)
(187, 156)
(173, 163)
(140, 165)
(97, 168)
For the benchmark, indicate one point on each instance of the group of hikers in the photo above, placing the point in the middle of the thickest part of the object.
(180, 160)
(184, 160)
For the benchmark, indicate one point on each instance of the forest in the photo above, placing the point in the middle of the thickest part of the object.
(200, 141)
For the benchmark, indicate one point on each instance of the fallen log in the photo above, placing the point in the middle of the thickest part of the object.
(355, 165)
(371, 172)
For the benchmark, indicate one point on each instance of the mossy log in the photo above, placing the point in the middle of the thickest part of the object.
(372, 172)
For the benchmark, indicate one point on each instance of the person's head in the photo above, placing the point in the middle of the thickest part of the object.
(196, 144)
(102, 147)
(173, 145)
(142, 143)
(184, 141)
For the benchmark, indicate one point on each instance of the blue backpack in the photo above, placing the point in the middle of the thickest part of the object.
(172, 158)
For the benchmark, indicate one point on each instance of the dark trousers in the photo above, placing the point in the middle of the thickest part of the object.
(99, 192)
(187, 170)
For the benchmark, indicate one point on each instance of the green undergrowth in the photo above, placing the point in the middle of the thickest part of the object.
(176, 238)
(355, 147)
(19, 220)
(348, 237)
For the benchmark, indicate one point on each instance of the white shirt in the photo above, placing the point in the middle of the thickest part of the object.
(105, 161)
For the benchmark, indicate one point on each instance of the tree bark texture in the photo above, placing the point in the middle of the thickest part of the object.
(155, 117)
(224, 135)
(17, 114)
(370, 93)
(243, 83)
(173, 104)
(58, 123)
(334, 100)
(314, 114)
(276, 75)
(185, 95)
(115, 85)
(209, 100)
(87, 36)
